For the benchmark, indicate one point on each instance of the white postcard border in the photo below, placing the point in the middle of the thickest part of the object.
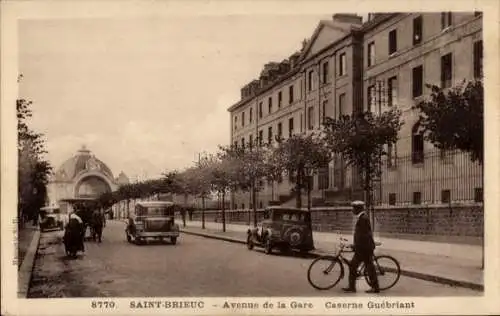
(12, 11)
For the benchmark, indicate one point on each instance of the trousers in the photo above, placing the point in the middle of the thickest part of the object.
(367, 259)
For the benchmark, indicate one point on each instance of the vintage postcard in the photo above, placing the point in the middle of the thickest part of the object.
(249, 158)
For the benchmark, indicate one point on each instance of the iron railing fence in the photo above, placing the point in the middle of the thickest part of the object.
(432, 177)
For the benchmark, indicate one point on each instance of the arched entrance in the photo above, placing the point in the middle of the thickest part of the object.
(91, 186)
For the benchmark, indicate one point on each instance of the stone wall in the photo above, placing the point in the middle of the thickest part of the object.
(450, 220)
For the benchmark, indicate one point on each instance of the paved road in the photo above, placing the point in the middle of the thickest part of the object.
(196, 266)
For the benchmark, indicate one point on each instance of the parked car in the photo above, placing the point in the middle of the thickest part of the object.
(50, 218)
(282, 228)
(152, 220)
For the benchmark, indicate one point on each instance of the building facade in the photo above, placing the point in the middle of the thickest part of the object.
(403, 54)
(82, 176)
(349, 66)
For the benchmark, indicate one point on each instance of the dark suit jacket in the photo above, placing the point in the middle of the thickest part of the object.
(363, 238)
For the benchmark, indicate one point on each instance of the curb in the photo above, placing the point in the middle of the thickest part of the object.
(407, 273)
(26, 270)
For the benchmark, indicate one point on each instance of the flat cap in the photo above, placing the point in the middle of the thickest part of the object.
(358, 203)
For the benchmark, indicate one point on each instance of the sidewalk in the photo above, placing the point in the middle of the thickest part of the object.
(454, 264)
(29, 238)
(25, 235)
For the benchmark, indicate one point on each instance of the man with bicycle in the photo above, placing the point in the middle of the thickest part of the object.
(363, 248)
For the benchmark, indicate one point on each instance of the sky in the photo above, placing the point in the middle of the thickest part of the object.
(146, 95)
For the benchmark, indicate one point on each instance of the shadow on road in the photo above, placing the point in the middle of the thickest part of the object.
(153, 243)
(290, 254)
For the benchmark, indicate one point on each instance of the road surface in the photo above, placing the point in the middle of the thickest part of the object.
(196, 266)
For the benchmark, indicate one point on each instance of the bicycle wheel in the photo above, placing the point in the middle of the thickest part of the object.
(325, 272)
(388, 272)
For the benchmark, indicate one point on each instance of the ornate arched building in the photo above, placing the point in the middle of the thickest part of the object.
(82, 176)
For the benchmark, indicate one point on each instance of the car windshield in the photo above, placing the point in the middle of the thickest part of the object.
(292, 216)
(155, 211)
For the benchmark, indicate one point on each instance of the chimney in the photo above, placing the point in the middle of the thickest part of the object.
(293, 59)
(348, 18)
(284, 67)
(244, 92)
(254, 86)
(373, 16)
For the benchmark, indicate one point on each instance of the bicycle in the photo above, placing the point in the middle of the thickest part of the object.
(381, 268)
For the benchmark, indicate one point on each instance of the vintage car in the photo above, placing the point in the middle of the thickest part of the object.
(152, 220)
(50, 217)
(282, 228)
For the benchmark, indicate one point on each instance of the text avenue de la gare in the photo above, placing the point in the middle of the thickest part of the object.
(379, 304)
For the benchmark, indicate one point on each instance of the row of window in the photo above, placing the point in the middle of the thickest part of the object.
(311, 122)
(378, 96)
(342, 70)
(325, 71)
(270, 139)
(446, 22)
(445, 197)
(416, 198)
(269, 107)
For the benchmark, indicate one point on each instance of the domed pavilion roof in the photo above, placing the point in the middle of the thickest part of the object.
(81, 161)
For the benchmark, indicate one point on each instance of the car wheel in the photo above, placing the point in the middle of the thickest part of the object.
(249, 242)
(268, 247)
(173, 240)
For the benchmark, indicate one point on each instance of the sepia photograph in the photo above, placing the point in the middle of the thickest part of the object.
(316, 163)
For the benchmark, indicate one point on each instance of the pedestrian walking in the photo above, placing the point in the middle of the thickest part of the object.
(75, 227)
(363, 247)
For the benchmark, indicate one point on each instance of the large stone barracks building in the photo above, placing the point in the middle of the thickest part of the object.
(349, 65)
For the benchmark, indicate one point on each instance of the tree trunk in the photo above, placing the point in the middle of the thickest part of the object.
(203, 212)
(185, 209)
(250, 208)
(254, 205)
(223, 212)
(272, 190)
(368, 195)
(298, 189)
(308, 194)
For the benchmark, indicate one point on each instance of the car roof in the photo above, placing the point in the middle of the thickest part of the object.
(155, 203)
